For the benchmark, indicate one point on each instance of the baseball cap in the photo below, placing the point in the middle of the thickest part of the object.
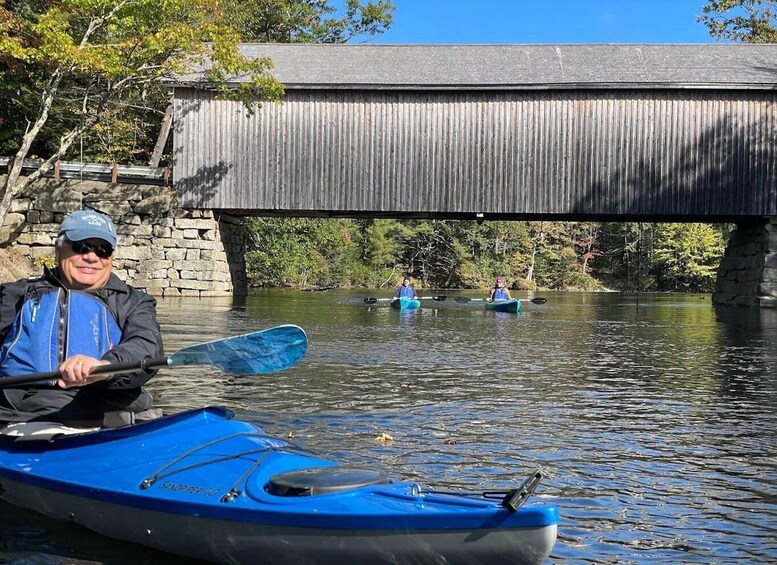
(86, 224)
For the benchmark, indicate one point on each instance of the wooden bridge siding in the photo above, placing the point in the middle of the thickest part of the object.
(642, 152)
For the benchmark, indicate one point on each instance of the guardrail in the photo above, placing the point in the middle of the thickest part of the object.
(105, 172)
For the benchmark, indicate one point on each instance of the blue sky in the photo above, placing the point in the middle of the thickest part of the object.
(546, 21)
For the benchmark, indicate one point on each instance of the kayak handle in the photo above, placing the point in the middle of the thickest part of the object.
(516, 497)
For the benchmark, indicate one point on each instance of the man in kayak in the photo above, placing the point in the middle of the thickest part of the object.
(72, 319)
(499, 291)
(406, 290)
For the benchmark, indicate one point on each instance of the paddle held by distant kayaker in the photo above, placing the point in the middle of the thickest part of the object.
(500, 291)
(72, 318)
(406, 290)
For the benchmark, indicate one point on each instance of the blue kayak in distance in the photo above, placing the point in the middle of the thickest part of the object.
(405, 303)
(203, 485)
(513, 305)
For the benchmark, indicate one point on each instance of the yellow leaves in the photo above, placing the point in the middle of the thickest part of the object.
(384, 438)
(11, 43)
(49, 41)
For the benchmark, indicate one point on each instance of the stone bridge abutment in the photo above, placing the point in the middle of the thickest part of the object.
(161, 248)
(748, 271)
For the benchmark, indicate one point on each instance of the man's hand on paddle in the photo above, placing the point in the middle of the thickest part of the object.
(75, 371)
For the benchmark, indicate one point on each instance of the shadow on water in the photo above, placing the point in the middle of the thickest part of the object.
(748, 360)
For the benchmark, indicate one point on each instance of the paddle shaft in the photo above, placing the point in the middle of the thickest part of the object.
(373, 300)
(147, 365)
(464, 299)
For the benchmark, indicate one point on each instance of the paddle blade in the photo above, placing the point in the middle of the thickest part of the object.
(266, 351)
(539, 300)
(370, 300)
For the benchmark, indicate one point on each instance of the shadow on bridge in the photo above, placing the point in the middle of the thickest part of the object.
(727, 174)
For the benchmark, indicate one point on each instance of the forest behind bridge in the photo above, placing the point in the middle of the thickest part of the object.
(307, 252)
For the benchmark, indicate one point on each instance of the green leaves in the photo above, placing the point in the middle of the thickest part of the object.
(687, 256)
(746, 21)
(308, 21)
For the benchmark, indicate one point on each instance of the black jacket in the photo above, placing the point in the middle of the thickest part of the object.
(135, 313)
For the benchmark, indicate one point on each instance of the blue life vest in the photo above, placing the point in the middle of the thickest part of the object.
(406, 291)
(54, 324)
(500, 293)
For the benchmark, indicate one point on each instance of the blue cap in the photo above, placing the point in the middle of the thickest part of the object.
(87, 224)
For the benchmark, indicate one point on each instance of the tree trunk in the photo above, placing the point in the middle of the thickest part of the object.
(535, 244)
(164, 132)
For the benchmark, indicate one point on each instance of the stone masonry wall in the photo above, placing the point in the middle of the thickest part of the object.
(162, 249)
(748, 271)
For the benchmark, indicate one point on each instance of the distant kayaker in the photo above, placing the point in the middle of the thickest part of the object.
(499, 291)
(406, 290)
(75, 317)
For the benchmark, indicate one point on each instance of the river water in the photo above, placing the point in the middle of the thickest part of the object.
(653, 418)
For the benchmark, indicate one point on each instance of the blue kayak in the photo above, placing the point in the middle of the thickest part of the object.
(513, 305)
(203, 485)
(405, 303)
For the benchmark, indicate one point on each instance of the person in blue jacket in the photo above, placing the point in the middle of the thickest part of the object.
(499, 291)
(72, 319)
(406, 290)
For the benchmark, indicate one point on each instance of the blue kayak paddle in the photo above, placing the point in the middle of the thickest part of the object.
(373, 300)
(465, 299)
(266, 351)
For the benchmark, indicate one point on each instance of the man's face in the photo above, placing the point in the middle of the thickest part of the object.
(406, 282)
(84, 270)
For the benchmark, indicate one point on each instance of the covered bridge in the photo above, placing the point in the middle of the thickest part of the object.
(578, 132)
(625, 132)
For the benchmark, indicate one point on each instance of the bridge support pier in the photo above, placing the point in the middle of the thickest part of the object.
(748, 271)
(163, 249)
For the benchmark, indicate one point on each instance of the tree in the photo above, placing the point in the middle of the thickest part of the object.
(687, 256)
(308, 21)
(85, 58)
(746, 21)
(382, 245)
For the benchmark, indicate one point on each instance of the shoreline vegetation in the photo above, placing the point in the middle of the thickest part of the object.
(316, 254)
(321, 254)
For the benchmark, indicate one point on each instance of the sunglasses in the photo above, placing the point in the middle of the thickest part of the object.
(82, 248)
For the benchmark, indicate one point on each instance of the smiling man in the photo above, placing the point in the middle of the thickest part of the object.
(73, 318)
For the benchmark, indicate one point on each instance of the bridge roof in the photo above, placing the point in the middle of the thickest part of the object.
(516, 67)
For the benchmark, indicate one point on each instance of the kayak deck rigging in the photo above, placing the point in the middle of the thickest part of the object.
(233, 491)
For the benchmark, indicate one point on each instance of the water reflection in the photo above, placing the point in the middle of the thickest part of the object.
(653, 417)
